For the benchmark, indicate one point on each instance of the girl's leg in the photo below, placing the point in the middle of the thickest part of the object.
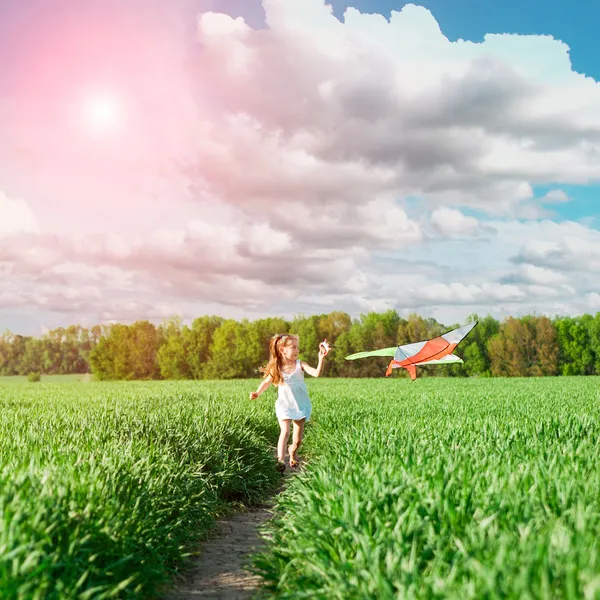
(296, 441)
(284, 435)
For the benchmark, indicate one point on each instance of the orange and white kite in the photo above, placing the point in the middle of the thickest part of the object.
(437, 351)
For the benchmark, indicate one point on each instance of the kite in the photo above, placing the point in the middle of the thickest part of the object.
(437, 351)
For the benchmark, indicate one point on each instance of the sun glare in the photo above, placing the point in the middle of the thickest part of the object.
(102, 113)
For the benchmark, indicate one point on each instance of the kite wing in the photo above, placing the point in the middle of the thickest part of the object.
(382, 352)
(445, 360)
(436, 351)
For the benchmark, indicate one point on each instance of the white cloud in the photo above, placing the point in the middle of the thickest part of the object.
(150, 273)
(460, 122)
(577, 249)
(593, 301)
(386, 222)
(450, 222)
(263, 240)
(555, 197)
(458, 293)
(530, 274)
(129, 311)
(326, 163)
(16, 216)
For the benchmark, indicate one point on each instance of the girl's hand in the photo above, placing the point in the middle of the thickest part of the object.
(253, 395)
(324, 348)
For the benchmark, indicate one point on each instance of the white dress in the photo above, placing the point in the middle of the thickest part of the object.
(293, 401)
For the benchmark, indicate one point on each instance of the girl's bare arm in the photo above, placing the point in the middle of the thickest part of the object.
(311, 370)
(323, 352)
(261, 388)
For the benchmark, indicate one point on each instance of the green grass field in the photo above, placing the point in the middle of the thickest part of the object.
(439, 488)
(48, 379)
(105, 486)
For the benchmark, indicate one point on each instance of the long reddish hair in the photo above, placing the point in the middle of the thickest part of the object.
(273, 367)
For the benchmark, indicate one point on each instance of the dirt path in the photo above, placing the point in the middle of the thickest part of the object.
(218, 573)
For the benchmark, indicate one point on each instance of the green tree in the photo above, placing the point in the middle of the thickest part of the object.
(145, 341)
(576, 356)
(546, 347)
(71, 359)
(229, 353)
(371, 332)
(511, 349)
(88, 340)
(52, 357)
(173, 355)
(198, 341)
(18, 346)
(109, 359)
(5, 352)
(593, 327)
(417, 329)
(32, 357)
(307, 328)
(333, 327)
(525, 347)
(474, 349)
(260, 333)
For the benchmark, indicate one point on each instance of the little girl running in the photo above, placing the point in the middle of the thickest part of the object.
(293, 403)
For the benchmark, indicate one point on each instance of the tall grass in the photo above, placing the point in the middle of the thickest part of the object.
(104, 487)
(444, 489)
(432, 489)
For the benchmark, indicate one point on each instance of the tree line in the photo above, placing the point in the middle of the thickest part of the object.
(212, 347)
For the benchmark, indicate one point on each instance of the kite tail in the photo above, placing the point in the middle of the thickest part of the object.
(412, 371)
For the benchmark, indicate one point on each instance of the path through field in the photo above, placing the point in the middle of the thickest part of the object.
(218, 573)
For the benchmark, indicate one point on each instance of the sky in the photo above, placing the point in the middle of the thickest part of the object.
(250, 159)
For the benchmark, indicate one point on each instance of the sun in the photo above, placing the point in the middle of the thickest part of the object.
(103, 112)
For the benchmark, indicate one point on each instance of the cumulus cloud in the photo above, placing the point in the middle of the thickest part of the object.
(245, 265)
(13, 300)
(319, 163)
(575, 253)
(129, 311)
(555, 197)
(451, 223)
(211, 266)
(458, 293)
(593, 301)
(391, 106)
(16, 216)
(530, 274)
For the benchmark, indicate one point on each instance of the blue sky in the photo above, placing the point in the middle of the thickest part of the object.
(157, 159)
(575, 22)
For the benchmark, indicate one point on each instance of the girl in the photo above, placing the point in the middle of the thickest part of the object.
(293, 403)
